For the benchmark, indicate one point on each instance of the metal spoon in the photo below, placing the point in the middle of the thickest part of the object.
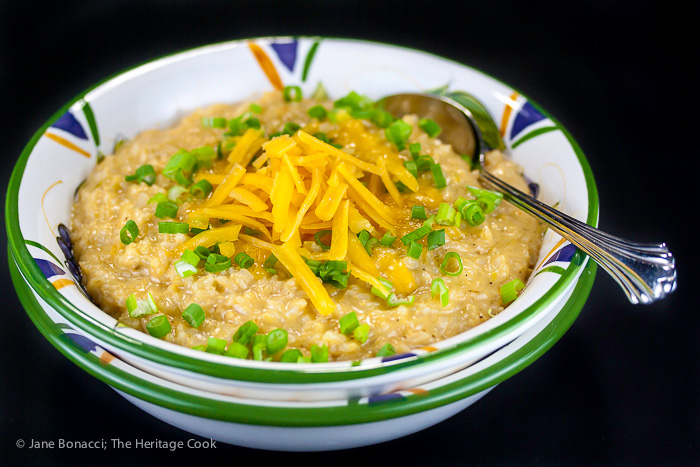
(646, 272)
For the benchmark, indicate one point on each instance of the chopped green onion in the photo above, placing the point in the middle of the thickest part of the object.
(259, 346)
(348, 323)
(270, 263)
(182, 162)
(290, 128)
(361, 333)
(137, 308)
(370, 244)
(145, 173)
(414, 149)
(411, 167)
(438, 176)
(202, 252)
(509, 290)
(214, 122)
(256, 108)
(318, 111)
(445, 262)
(414, 250)
(253, 122)
(204, 156)
(487, 204)
(385, 283)
(129, 232)
(194, 315)
(159, 326)
(184, 269)
(276, 341)
(157, 198)
(201, 189)
(166, 209)
(424, 163)
(173, 227)
(303, 359)
(353, 101)
(393, 301)
(216, 345)
(382, 118)
(416, 234)
(200, 347)
(292, 93)
(481, 192)
(445, 214)
(387, 239)
(363, 237)
(430, 127)
(418, 212)
(473, 214)
(319, 353)
(458, 219)
(217, 263)
(438, 288)
(398, 133)
(322, 136)
(436, 239)
(182, 179)
(237, 350)
(175, 192)
(291, 356)
(244, 260)
(338, 116)
(319, 235)
(387, 350)
(245, 333)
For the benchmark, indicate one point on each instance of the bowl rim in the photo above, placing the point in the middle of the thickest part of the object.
(329, 415)
(297, 374)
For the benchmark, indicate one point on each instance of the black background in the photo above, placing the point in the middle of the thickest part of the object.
(621, 387)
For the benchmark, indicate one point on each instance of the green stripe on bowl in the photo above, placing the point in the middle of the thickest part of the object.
(187, 402)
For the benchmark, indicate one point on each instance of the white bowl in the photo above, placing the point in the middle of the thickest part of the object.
(62, 153)
(303, 426)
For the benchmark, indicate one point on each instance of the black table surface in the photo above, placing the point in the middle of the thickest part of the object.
(620, 387)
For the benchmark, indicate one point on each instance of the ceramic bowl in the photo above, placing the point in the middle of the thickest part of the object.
(304, 426)
(63, 152)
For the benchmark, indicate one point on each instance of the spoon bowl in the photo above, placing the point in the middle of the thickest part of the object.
(646, 272)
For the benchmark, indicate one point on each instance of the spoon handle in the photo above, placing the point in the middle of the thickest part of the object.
(646, 272)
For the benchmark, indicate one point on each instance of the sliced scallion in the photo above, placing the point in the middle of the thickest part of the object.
(430, 127)
(276, 341)
(361, 333)
(348, 323)
(317, 111)
(237, 350)
(214, 122)
(292, 94)
(446, 262)
(166, 209)
(194, 315)
(439, 289)
(319, 353)
(398, 133)
(318, 236)
(394, 301)
(387, 239)
(509, 290)
(244, 260)
(414, 250)
(445, 214)
(145, 173)
(184, 269)
(216, 345)
(387, 350)
(436, 239)
(438, 176)
(418, 212)
(129, 232)
(291, 356)
(159, 326)
(245, 333)
(173, 227)
(416, 234)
